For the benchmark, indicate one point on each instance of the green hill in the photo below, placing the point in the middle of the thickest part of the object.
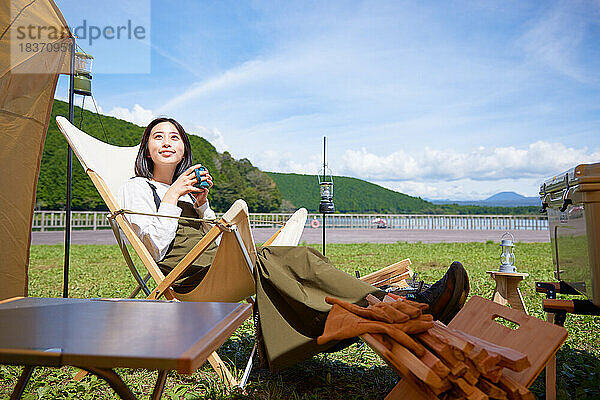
(233, 179)
(353, 195)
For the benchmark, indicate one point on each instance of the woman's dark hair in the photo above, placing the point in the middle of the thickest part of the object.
(144, 164)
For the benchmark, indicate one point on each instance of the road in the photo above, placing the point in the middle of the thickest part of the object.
(310, 236)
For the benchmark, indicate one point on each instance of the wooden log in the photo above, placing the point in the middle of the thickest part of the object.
(471, 375)
(403, 356)
(493, 375)
(443, 351)
(514, 389)
(483, 360)
(470, 392)
(454, 394)
(472, 370)
(452, 337)
(435, 364)
(412, 382)
(509, 358)
(493, 391)
(389, 274)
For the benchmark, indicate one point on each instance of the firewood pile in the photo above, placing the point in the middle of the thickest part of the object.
(445, 363)
(395, 275)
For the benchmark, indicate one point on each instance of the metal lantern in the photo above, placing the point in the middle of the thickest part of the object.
(507, 257)
(326, 189)
(83, 74)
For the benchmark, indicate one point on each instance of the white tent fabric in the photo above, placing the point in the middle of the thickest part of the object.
(27, 85)
(113, 163)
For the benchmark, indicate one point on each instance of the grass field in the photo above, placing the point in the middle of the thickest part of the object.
(353, 373)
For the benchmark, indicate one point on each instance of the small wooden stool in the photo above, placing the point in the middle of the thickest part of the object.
(507, 289)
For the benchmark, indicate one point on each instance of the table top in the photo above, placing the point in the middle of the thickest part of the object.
(110, 333)
(509, 274)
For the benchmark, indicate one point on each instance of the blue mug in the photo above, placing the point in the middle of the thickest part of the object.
(201, 184)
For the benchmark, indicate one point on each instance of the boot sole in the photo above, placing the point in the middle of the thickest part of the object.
(461, 286)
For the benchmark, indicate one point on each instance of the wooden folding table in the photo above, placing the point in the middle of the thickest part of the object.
(100, 334)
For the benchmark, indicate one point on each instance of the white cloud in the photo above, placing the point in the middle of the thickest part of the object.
(235, 76)
(278, 161)
(214, 136)
(137, 115)
(556, 38)
(463, 189)
(539, 159)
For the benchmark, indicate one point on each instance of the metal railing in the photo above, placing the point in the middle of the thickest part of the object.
(55, 220)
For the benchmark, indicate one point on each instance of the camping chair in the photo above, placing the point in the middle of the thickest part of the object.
(230, 277)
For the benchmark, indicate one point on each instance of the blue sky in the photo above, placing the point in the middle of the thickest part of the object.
(441, 99)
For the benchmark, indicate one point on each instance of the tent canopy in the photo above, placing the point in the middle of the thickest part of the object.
(27, 83)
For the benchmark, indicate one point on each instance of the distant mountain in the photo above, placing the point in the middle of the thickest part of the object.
(502, 199)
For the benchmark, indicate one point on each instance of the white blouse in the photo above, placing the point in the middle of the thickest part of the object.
(156, 233)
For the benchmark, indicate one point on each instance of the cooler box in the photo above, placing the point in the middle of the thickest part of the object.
(572, 200)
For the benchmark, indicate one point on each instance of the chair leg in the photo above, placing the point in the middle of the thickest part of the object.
(139, 287)
(160, 385)
(141, 282)
(221, 369)
(80, 375)
(22, 382)
(246, 375)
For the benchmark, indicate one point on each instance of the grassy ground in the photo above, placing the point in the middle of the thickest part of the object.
(353, 373)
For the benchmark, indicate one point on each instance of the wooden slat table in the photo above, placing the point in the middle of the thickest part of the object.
(538, 339)
(100, 334)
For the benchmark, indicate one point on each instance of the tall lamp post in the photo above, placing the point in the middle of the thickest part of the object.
(326, 189)
(79, 83)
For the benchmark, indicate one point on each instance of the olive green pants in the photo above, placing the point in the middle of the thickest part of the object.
(291, 285)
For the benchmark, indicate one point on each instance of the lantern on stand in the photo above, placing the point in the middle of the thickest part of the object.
(507, 257)
(80, 82)
(326, 189)
(83, 74)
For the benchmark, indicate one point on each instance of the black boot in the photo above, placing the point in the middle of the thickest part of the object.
(447, 296)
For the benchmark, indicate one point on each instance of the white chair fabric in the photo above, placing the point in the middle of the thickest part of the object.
(114, 164)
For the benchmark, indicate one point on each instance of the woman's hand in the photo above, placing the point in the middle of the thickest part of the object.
(184, 184)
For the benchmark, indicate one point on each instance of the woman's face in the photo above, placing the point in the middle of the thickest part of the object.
(165, 145)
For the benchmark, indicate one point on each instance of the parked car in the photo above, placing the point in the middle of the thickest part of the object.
(379, 222)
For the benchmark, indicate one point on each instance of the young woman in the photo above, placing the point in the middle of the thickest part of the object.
(164, 184)
(292, 281)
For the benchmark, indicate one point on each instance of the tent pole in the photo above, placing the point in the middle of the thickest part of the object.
(323, 233)
(324, 172)
(69, 174)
